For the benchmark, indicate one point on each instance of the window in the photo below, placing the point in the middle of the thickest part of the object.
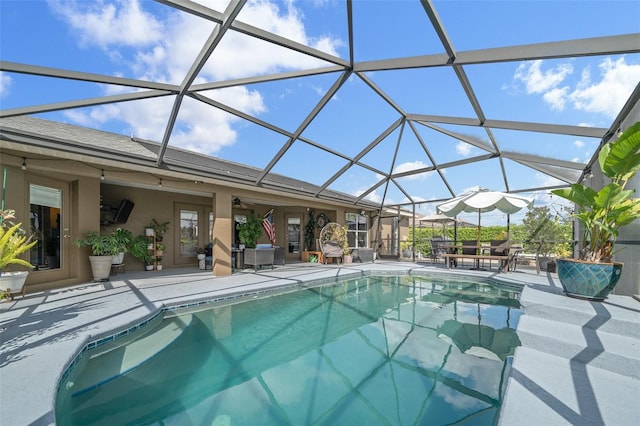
(358, 230)
(44, 217)
(188, 232)
(293, 234)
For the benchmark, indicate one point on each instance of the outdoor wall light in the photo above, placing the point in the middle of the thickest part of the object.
(102, 174)
(160, 183)
(24, 163)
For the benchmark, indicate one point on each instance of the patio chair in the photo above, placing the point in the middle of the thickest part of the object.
(439, 246)
(514, 252)
(500, 248)
(470, 247)
(331, 249)
(262, 255)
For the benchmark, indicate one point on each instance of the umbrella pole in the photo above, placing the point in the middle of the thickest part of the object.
(478, 249)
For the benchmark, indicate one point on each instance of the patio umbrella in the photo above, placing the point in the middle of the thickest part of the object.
(483, 200)
(437, 219)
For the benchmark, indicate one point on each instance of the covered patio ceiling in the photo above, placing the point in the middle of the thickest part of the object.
(392, 103)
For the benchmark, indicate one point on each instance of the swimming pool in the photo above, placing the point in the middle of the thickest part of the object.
(373, 350)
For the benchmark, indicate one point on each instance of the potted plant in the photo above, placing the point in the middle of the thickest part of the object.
(250, 231)
(139, 249)
(103, 248)
(340, 234)
(123, 238)
(602, 213)
(309, 233)
(159, 228)
(13, 243)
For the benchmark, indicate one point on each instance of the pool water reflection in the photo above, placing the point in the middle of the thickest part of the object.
(375, 350)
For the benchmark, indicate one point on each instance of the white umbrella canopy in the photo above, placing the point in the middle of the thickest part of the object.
(482, 201)
(437, 219)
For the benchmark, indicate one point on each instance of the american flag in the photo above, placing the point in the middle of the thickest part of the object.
(269, 227)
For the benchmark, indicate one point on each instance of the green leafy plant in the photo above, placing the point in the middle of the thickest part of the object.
(250, 231)
(13, 242)
(123, 238)
(604, 212)
(341, 234)
(159, 228)
(101, 245)
(544, 230)
(139, 250)
(337, 233)
(309, 232)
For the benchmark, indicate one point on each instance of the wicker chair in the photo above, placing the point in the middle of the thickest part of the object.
(331, 249)
(258, 257)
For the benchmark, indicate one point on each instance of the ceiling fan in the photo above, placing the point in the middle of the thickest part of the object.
(237, 203)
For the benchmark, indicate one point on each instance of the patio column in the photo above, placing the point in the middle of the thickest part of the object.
(222, 233)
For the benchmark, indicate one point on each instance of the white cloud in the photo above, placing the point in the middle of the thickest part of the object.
(578, 143)
(374, 196)
(604, 95)
(545, 180)
(122, 23)
(5, 82)
(464, 149)
(538, 81)
(412, 165)
(164, 50)
(556, 98)
(608, 95)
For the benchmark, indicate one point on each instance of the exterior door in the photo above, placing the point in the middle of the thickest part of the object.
(194, 231)
(49, 220)
(294, 236)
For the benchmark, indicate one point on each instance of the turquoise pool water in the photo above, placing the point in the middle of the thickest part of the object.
(396, 350)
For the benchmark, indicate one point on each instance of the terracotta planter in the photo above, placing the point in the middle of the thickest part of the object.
(14, 282)
(588, 280)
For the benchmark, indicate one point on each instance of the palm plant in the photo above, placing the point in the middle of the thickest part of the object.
(604, 212)
(13, 242)
(101, 245)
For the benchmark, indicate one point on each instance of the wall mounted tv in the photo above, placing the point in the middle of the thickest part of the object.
(123, 212)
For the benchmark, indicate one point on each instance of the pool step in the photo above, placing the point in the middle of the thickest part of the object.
(609, 351)
(544, 389)
(579, 362)
(121, 357)
(619, 315)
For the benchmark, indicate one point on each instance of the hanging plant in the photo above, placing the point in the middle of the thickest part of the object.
(309, 232)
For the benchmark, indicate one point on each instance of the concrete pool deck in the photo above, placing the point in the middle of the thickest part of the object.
(579, 362)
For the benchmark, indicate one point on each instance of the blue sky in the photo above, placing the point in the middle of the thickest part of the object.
(147, 40)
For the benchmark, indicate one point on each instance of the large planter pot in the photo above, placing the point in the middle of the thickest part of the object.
(587, 280)
(117, 259)
(14, 282)
(100, 267)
